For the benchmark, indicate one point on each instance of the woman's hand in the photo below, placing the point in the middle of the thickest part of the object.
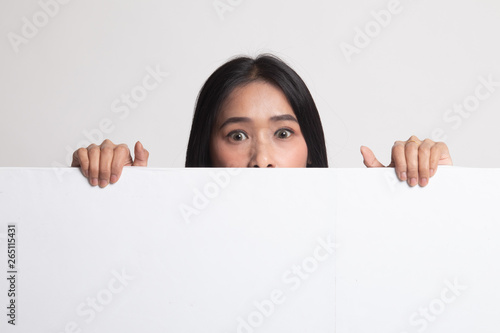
(104, 164)
(415, 161)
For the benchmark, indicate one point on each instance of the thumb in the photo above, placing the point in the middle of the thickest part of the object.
(369, 158)
(141, 155)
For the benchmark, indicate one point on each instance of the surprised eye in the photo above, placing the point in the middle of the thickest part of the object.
(238, 135)
(284, 133)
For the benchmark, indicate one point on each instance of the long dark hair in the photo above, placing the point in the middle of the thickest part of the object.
(244, 70)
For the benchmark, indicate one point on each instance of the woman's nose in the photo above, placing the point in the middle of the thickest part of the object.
(262, 156)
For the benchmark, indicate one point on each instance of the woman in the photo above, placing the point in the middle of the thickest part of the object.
(258, 113)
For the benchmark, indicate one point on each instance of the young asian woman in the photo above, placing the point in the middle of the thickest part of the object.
(258, 112)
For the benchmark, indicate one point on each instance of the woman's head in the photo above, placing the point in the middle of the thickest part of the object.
(256, 113)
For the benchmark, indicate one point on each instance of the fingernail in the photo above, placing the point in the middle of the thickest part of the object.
(413, 181)
(85, 173)
(423, 181)
(431, 171)
(113, 179)
(103, 183)
(93, 181)
(403, 175)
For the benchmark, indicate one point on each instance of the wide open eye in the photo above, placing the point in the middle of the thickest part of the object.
(238, 135)
(284, 133)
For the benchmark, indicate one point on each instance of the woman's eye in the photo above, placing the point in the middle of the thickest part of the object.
(284, 133)
(238, 136)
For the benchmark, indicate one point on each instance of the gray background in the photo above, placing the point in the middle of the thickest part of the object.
(62, 81)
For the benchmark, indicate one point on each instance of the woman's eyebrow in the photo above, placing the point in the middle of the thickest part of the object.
(248, 120)
(284, 117)
(235, 120)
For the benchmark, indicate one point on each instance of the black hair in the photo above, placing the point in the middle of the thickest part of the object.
(244, 70)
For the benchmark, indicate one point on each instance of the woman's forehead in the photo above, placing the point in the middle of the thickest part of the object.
(255, 100)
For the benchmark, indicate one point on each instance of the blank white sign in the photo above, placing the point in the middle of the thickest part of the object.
(245, 250)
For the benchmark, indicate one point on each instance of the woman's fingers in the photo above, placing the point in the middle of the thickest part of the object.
(419, 159)
(415, 161)
(81, 159)
(103, 164)
(94, 153)
(121, 158)
(113, 159)
(141, 155)
(439, 155)
(411, 153)
(369, 158)
(105, 160)
(399, 160)
(424, 154)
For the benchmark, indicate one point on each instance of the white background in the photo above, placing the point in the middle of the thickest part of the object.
(64, 79)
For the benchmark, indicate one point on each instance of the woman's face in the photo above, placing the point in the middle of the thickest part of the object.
(257, 128)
